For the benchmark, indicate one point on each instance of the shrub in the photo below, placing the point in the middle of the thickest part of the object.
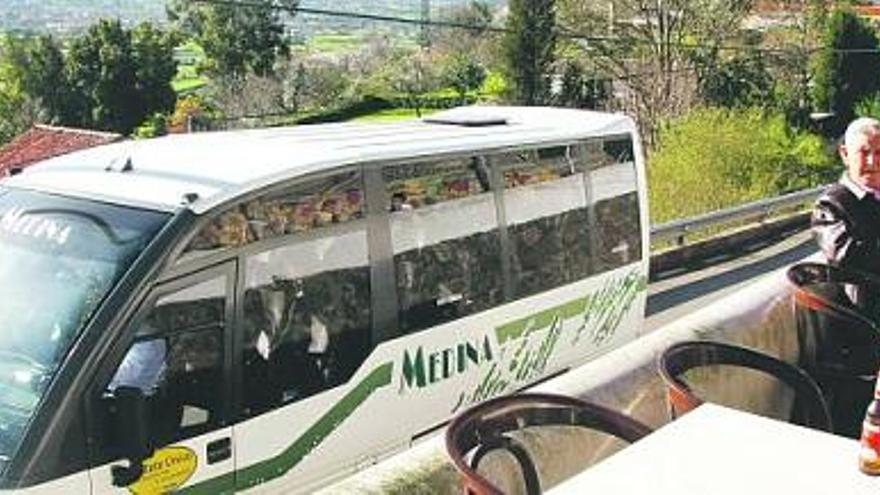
(716, 158)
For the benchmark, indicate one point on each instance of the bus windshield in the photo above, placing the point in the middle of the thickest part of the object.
(59, 257)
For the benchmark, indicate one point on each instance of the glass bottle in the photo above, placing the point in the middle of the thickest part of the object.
(869, 454)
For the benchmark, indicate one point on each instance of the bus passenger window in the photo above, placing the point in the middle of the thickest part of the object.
(544, 201)
(302, 208)
(444, 232)
(620, 238)
(615, 203)
(307, 317)
(176, 360)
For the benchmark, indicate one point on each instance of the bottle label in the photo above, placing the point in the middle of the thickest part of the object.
(869, 455)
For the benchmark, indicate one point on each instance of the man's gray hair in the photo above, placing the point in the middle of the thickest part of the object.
(859, 127)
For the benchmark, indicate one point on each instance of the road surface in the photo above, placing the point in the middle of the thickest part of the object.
(677, 294)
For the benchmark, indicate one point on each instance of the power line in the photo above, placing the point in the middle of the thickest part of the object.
(567, 34)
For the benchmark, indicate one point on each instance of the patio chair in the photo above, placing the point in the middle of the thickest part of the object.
(485, 428)
(810, 407)
(836, 315)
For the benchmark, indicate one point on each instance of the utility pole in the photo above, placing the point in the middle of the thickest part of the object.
(425, 35)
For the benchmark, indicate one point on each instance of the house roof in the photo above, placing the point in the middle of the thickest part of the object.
(41, 142)
(218, 166)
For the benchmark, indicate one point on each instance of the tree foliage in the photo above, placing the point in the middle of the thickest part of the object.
(412, 75)
(12, 97)
(647, 46)
(42, 69)
(110, 78)
(463, 73)
(716, 158)
(740, 80)
(237, 39)
(841, 79)
(117, 77)
(529, 49)
(578, 87)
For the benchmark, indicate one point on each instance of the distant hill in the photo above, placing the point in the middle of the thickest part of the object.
(65, 17)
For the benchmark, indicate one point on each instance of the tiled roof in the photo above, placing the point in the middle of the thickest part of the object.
(42, 142)
(872, 11)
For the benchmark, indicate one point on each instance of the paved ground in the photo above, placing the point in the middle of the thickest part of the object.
(677, 294)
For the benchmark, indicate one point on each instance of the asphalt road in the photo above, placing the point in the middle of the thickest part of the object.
(677, 294)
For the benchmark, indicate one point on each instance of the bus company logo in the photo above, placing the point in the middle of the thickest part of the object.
(167, 470)
(420, 370)
(17, 221)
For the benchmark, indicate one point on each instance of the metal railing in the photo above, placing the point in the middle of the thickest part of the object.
(758, 210)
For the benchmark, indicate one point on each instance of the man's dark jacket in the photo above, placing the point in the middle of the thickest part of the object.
(846, 224)
(847, 229)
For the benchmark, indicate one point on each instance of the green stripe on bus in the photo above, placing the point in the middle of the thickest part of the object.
(614, 291)
(544, 319)
(291, 456)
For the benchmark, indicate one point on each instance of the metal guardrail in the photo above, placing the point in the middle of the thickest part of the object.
(679, 229)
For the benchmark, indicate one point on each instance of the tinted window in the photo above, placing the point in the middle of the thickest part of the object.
(307, 303)
(176, 361)
(447, 250)
(303, 208)
(546, 212)
(619, 232)
(612, 184)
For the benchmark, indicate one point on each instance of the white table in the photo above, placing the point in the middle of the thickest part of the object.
(716, 450)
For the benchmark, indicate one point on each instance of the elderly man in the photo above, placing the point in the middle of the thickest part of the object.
(846, 223)
(846, 217)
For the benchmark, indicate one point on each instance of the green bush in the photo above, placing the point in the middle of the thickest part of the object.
(869, 107)
(716, 158)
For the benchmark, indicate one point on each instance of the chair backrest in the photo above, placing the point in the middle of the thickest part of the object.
(821, 287)
(836, 310)
(485, 428)
(685, 356)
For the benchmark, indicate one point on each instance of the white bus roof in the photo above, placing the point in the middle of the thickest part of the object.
(218, 166)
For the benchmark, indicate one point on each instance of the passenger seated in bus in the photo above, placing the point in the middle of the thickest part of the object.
(278, 345)
(398, 202)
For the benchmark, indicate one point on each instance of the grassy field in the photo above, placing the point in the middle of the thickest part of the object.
(183, 86)
(188, 56)
(334, 43)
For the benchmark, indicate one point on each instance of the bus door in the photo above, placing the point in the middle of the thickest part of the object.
(159, 414)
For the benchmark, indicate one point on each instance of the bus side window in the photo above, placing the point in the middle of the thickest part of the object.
(176, 360)
(545, 202)
(300, 209)
(616, 205)
(444, 233)
(307, 315)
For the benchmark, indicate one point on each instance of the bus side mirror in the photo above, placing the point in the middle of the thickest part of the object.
(132, 425)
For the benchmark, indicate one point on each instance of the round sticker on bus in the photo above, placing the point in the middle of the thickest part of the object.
(167, 470)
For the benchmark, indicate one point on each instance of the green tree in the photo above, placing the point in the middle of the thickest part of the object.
(463, 73)
(118, 78)
(529, 46)
(155, 67)
(11, 95)
(18, 110)
(101, 71)
(578, 87)
(43, 75)
(237, 38)
(840, 79)
(412, 75)
(741, 80)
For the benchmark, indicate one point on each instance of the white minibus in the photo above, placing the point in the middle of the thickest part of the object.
(270, 310)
